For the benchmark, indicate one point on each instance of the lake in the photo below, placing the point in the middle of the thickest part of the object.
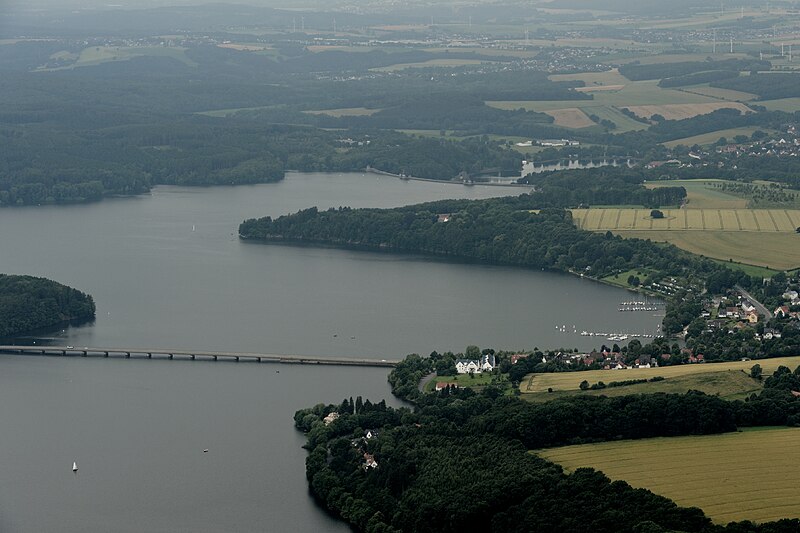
(168, 271)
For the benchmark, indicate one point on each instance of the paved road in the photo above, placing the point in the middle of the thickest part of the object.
(760, 309)
(424, 381)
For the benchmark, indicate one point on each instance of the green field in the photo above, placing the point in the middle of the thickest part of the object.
(703, 194)
(749, 475)
(714, 136)
(722, 94)
(570, 381)
(345, 112)
(433, 63)
(96, 55)
(730, 385)
(789, 105)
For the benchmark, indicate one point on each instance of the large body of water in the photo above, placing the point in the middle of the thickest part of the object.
(167, 270)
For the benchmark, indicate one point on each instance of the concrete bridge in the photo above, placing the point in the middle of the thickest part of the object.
(150, 353)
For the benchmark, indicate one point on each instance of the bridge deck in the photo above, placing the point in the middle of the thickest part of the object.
(149, 353)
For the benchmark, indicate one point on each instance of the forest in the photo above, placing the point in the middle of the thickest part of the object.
(28, 303)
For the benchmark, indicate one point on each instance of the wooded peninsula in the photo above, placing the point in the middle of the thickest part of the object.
(29, 303)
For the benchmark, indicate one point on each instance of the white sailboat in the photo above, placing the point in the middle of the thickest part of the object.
(74, 466)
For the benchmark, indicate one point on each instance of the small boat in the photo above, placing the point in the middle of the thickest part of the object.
(74, 466)
(205, 451)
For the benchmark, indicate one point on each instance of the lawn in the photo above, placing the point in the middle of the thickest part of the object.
(570, 381)
(748, 475)
(476, 381)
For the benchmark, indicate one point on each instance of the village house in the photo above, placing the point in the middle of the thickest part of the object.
(444, 384)
(781, 312)
(752, 317)
(488, 362)
(468, 366)
(371, 434)
(770, 333)
(517, 356)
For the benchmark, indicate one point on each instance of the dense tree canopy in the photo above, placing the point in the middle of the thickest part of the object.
(28, 303)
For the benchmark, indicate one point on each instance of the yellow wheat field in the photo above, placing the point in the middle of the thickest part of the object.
(760, 220)
(750, 475)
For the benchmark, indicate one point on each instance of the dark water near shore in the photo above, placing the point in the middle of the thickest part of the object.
(167, 270)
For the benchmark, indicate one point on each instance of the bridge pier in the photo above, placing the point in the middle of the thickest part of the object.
(127, 355)
(170, 356)
(215, 357)
(63, 352)
(85, 353)
(258, 359)
(42, 352)
(149, 355)
(237, 358)
(192, 356)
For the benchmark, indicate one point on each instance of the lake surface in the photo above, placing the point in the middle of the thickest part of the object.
(167, 270)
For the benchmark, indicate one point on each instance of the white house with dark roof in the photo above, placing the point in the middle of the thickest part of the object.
(468, 366)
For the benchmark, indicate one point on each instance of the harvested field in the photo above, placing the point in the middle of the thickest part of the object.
(571, 118)
(683, 111)
(780, 251)
(749, 475)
